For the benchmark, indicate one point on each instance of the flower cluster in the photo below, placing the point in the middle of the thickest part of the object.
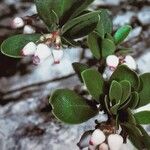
(102, 140)
(18, 22)
(49, 45)
(113, 61)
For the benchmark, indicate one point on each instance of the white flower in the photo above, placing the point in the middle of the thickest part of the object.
(130, 62)
(29, 49)
(58, 55)
(112, 61)
(91, 147)
(42, 53)
(17, 22)
(103, 146)
(97, 137)
(124, 147)
(115, 141)
(28, 29)
(107, 73)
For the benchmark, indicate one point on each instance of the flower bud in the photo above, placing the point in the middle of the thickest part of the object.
(115, 141)
(103, 146)
(58, 55)
(28, 29)
(29, 49)
(130, 62)
(17, 22)
(97, 137)
(112, 61)
(42, 53)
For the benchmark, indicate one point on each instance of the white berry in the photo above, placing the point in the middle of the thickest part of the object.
(115, 141)
(103, 146)
(58, 55)
(28, 29)
(29, 49)
(97, 137)
(42, 53)
(112, 61)
(130, 62)
(17, 22)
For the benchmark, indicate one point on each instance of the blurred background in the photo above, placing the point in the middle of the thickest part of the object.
(26, 122)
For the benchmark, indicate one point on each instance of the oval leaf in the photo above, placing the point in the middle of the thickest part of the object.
(70, 107)
(81, 26)
(122, 33)
(115, 92)
(94, 44)
(79, 68)
(94, 83)
(124, 73)
(108, 47)
(126, 90)
(143, 117)
(144, 91)
(12, 46)
(105, 24)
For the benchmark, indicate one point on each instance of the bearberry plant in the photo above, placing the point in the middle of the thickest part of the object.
(112, 83)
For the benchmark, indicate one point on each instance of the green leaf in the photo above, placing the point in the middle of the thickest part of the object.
(70, 107)
(146, 137)
(81, 26)
(115, 92)
(114, 109)
(135, 136)
(94, 83)
(94, 44)
(143, 117)
(134, 100)
(124, 73)
(126, 90)
(79, 68)
(105, 24)
(53, 12)
(12, 46)
(122, 33)
(144, 91)
(107, 104)
(108, 47)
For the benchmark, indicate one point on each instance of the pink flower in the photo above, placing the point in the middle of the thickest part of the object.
(28, 29)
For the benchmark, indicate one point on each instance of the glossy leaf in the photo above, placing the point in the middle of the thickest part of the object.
(122, 33)
(144, 91)
(94, 42)
(70, 107)
(124, 73)
(12, 46)
(108, 47)
(79, 68)
(126, 90)
(143, 117)
(81, 26)
(94, 83)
